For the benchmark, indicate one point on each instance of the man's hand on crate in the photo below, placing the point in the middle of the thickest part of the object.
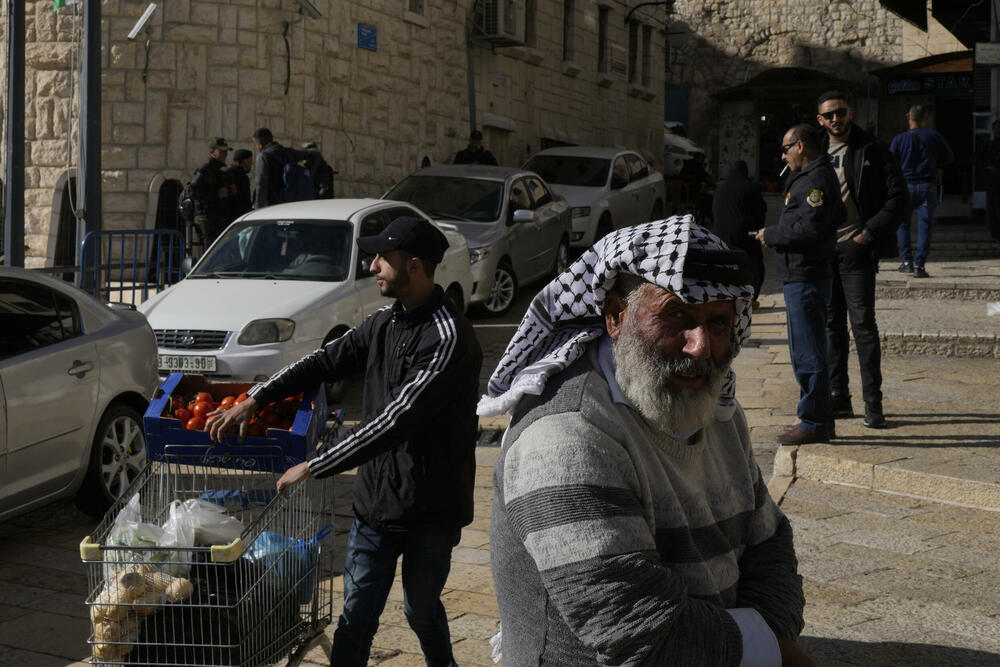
(234, 420)
(294, 475)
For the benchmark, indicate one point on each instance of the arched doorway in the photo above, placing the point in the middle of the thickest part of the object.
(65, 253)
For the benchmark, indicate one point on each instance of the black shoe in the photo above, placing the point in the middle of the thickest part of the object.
(918, 272)
(841, 406)
(795, 435)
(873, 415)
(905, 267)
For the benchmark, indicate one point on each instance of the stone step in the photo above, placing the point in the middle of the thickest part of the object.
(940, 344)
(887, 471)
(932, 288)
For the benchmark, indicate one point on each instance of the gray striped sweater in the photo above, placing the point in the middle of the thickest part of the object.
(613, 544)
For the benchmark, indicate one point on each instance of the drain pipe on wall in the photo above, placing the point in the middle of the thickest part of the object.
(470, 73)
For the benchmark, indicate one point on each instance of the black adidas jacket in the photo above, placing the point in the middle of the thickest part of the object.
(416, 442)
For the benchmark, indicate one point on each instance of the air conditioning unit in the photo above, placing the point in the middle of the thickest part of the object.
(503, 22)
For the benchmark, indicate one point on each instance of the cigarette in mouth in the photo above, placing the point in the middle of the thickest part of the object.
(783, 171)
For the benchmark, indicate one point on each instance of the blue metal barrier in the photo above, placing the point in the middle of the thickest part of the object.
(130, 262)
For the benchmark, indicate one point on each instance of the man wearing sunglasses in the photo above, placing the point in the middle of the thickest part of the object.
(804, 241)
(876, 199)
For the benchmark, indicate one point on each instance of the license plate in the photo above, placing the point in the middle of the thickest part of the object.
(183, 362)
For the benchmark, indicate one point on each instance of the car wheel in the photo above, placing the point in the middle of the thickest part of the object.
(562, 257)
(335, 391)
(657, 213)
(502, 292)
(117, 456)
(454, 294)
(604, 227)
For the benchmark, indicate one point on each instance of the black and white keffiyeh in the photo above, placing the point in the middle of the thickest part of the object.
(568, 312)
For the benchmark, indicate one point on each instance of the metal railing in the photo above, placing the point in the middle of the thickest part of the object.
(127, 265)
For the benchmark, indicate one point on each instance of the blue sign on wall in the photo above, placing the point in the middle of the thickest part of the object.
(367, 37)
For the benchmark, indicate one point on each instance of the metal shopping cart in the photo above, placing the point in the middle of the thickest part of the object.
(254, 601)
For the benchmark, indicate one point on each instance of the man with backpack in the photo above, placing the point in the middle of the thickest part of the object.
(211, 189)
(278, 176)
(323, 175)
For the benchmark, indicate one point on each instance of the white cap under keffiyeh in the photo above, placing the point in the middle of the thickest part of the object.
(676, 254)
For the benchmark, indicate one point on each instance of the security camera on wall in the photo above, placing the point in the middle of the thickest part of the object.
(143, 20)
(309, 9)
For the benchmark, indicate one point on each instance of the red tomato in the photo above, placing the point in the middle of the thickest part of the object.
(255, 430)
(270, 417)
(202, 408)
(287, 424)
(204, 397)
(183, 414)
(227, 402)
(195, 424)
(242, 397)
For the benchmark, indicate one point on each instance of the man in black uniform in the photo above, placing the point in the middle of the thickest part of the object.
(211, 190)
(804, 241)
(475, 152)
(415, 444)
(876, 202)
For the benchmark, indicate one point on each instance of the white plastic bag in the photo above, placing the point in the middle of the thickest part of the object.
(178, 531)
(211, 523)
(129, 530)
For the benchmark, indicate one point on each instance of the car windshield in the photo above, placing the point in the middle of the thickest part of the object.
(451, 197)
(589, 172)
(280, 250)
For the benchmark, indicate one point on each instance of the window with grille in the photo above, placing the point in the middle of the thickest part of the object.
(647, 56)
(569, 24)
(633, 51)
(603, 14)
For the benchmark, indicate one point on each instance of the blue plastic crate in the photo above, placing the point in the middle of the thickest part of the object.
(167, 439)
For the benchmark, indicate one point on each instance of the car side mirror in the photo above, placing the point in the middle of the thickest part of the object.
(364, 266)
(523, 215)
(617, 182)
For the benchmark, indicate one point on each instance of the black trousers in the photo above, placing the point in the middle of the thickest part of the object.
(853, 298)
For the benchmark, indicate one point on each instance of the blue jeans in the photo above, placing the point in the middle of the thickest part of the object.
(368, 573)
(806, 306)
(924, 198)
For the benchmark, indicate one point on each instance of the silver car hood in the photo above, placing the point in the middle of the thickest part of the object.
(226, 305)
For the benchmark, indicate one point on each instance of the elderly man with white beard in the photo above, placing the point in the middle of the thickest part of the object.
(631, 524)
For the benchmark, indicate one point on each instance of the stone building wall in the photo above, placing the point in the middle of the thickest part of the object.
(218, 68)
(723, 44)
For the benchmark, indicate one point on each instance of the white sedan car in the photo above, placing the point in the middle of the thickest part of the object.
(75, 379)
(281, 282)
(607, 188)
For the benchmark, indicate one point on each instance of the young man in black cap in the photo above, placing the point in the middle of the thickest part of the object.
(475, 152)
(415, 444)
(211, 190)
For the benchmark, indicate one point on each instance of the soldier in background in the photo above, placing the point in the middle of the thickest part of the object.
(211, 190)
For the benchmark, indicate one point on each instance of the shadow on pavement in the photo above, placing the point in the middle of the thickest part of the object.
(892, 654)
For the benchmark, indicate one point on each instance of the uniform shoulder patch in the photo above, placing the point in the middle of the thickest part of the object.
(815, 198)
(788, 196)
